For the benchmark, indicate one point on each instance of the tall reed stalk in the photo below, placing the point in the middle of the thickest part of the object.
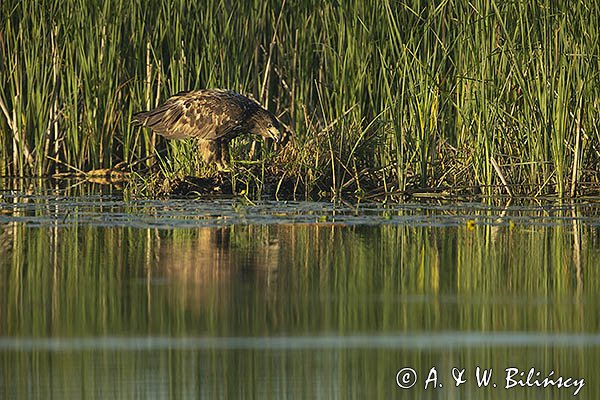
(400, 95)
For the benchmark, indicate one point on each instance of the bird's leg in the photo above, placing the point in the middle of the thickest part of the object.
(212, 154)
(224, 153)
(218, 156)
(207, 151)
(217, 152)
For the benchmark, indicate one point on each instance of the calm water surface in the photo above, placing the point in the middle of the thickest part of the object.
(141, 299)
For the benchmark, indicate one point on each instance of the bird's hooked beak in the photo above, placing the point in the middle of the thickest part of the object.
(274, 133)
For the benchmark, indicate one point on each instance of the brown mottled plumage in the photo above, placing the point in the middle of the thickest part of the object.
(213, 115)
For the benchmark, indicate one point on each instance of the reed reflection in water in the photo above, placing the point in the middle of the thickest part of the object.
(295, 310)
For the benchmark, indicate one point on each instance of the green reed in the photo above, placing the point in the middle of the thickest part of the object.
(494, 96)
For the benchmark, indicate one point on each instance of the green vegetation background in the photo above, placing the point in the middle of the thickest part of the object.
(493, 95)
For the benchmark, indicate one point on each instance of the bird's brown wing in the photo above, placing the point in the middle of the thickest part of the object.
(204, 114)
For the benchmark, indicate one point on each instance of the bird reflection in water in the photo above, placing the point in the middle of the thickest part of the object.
(202, 263)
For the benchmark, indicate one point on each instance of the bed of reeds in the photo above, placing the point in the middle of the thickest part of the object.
(483, 96)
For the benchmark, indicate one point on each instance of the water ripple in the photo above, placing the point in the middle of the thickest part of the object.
(104, 211)
(413, 341)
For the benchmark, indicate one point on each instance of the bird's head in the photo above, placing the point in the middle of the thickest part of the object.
(267, 126)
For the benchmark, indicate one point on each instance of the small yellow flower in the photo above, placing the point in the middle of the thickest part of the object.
(471, 224)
